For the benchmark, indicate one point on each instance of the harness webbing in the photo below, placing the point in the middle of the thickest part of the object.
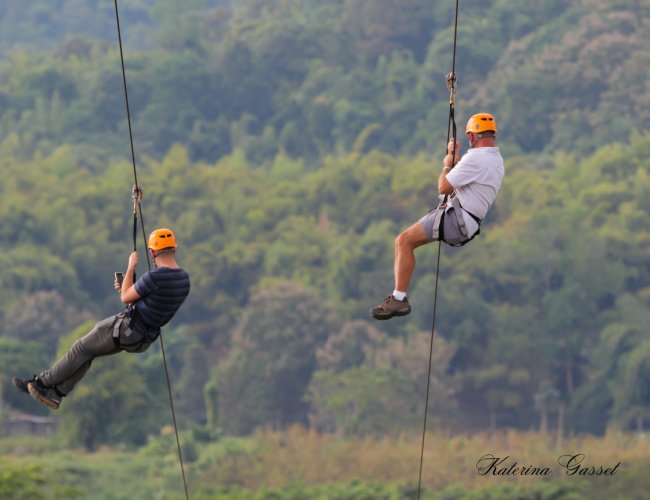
(137, 211)
(451, 132)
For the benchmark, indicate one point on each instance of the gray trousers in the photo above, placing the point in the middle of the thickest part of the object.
(72, 367)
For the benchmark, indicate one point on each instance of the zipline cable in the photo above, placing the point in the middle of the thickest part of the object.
(137, 190)
(452, 83)
(137, 199)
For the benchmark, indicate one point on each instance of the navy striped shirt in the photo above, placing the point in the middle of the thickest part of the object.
(162, 292)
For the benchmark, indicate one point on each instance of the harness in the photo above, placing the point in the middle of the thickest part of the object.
(124, 320)
(439, 222)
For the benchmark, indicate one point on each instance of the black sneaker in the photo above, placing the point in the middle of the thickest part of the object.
(391, 307)
(48, 396)
(22, 383)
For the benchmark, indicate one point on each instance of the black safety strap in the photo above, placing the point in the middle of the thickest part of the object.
(452, 85)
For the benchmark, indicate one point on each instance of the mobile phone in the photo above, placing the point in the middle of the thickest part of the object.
(119, 277)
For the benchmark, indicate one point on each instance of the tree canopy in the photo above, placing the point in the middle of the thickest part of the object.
(287, 143)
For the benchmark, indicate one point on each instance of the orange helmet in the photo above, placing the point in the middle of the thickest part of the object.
(481, 122)
(161, 238)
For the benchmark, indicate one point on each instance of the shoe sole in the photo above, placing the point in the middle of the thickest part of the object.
(39, 397)
(384, 317)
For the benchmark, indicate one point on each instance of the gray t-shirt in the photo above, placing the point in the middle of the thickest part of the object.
(476, 180)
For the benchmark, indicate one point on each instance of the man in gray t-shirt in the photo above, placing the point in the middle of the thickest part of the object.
(471, 184)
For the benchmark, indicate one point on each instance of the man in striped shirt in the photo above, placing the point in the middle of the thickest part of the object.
(151, 302)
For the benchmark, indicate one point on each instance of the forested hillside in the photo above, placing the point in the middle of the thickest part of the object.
(287, 142)
(44, 24)
(308, 78)
(292, 258)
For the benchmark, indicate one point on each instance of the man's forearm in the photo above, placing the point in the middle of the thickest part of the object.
(444, 187)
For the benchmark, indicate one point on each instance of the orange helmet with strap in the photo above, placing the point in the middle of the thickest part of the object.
(161, 239)
(481, 122)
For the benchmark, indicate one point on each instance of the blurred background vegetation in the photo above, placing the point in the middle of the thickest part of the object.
(287, 142)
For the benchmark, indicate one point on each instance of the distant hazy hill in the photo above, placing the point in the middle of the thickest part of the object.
(309, 77)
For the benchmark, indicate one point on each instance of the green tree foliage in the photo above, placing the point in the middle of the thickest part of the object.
(42, 24)
(358, 490)
(43, 316)
(523, 304)
(619, 364)
(286, 141)
(263, 379)
(310, 79)
(211, 398)
(575, 69)
(362, 401)
(190, 371)
(356, 342)
(368, 383)
(32, 483)
(20, 358)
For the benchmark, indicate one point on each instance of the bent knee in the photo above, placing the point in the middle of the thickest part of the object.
(401, 239)
(405, 239)
(412, 237)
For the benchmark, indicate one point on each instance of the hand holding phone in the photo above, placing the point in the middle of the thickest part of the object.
(119, 278)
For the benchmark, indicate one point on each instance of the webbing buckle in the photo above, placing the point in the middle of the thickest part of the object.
(136, 194)
(452, 85)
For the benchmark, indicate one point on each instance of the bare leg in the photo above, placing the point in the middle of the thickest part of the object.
(405, 244)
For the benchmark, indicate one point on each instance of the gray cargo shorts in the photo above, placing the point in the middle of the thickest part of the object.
(452, 231)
